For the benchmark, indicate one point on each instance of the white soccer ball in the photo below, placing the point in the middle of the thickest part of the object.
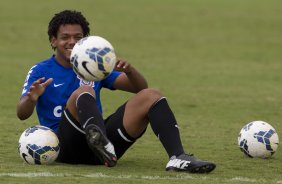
(39, 145)
(258, 139)
(93, 58)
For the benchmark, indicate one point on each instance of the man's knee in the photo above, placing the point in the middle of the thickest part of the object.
(71, 103)
(83, 89)
(150, 95)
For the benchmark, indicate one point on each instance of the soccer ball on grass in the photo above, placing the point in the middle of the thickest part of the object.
(93, 58)
(38, 145)
(258, 139)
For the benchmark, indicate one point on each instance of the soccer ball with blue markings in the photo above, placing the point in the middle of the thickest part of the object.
(258, 139)
(93, 58)
(39, 145)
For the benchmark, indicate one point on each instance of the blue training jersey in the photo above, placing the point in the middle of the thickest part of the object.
(51, 103)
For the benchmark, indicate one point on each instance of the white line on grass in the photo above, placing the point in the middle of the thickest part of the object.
(166, 177)
(243, 179)
(95, 175)
(146, 177)
(31, 174)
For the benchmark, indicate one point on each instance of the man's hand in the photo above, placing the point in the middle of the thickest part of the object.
(123, 66)
(27, 103)
(37, 88)
(131, 80)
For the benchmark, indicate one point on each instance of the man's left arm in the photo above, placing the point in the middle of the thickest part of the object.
(130, 80)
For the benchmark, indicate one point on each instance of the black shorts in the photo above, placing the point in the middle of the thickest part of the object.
(73, 146)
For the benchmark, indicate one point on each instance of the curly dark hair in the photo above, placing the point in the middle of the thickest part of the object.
(67, 17)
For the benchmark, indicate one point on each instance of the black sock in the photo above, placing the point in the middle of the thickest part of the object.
(165, 127)
(88, 112)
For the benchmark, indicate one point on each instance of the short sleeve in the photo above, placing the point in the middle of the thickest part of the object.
(109, 81)
(32, 76)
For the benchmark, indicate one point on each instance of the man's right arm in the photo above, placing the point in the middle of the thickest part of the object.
(27, 103)
(25, 107)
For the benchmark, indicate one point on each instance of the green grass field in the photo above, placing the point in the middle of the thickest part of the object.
(217, 61)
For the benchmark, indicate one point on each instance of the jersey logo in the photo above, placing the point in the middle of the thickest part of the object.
(57, 85)
(85, 82)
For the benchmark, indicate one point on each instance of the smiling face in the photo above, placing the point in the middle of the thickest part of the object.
(66, 38)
